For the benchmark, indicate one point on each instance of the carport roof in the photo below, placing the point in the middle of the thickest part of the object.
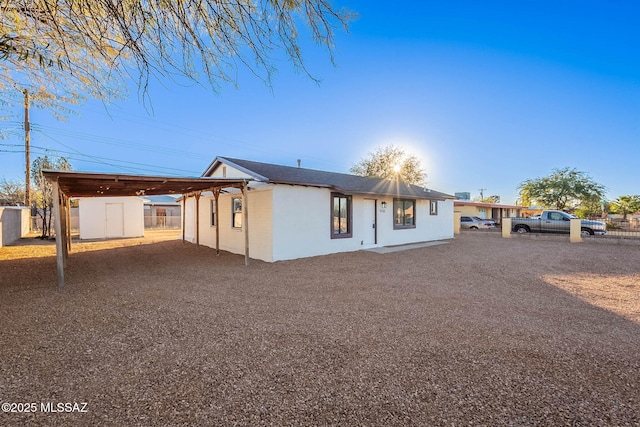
(82, 184)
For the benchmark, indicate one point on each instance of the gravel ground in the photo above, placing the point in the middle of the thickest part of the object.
(479, 331)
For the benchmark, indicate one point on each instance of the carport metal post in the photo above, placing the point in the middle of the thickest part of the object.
(58, 228)
(184, 213)
(198, 219)
(245, 208)
(68, 207)
(216, 194)
(63, 225)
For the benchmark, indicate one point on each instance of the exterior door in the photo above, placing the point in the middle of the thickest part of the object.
(369, 222)
(114, 220)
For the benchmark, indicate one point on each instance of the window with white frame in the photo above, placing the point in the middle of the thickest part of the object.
(433, 207)
(236, 212)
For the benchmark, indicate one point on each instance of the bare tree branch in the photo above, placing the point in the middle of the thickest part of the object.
(93, 47)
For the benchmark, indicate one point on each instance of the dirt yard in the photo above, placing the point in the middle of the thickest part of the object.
(478, 331)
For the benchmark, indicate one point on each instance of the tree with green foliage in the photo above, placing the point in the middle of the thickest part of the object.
(591, 208)
(564, 189)
(391, 162)
(43, 191)
(625, 205)
(64, 50)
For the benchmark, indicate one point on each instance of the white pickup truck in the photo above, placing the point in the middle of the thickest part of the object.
(556, 222)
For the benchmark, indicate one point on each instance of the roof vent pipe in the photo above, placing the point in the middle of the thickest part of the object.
(299, 162)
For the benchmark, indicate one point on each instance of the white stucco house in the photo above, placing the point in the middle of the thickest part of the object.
(295, 212)
(110, 217)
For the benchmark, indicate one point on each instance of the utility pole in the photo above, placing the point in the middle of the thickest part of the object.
(481, 190)
(27, 150)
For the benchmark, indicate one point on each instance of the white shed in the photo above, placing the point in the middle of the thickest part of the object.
(111, 217)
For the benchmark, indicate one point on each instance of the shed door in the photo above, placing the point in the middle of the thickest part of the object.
(114, 220)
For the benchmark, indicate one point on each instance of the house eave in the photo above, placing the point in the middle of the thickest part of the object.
(427, 196)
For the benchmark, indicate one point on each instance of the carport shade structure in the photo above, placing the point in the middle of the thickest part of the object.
(80, 184)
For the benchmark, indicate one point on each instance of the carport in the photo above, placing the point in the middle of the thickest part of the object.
(79, 184)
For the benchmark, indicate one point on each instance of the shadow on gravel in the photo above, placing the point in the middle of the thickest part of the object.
(481, 330)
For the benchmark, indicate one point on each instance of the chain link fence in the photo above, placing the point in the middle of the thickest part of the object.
(593, 227)
(150, 222)
(622, 227)
(162, 222)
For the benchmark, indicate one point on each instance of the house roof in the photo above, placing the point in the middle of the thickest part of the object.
(486, 205)
(278, 174)
(162, 200)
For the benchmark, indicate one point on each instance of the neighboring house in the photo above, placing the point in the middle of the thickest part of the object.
(632, 221)
(295, 212)
(162, 212)
(487, 210)
(111, 217)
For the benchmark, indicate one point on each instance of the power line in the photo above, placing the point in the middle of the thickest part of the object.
(202, 136)
(190, 132)
(96, 159)
(116, 160)
(118, 142)
(183, 132)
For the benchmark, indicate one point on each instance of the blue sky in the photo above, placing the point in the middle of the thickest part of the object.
(486, 94)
